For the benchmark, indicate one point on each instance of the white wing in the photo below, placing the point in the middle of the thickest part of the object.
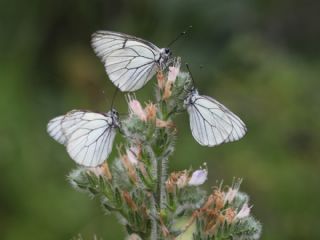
(130, 62)
(212, 123)
(54, 128)
(87, 136)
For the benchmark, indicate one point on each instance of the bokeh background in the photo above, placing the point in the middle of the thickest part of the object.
(260, 58)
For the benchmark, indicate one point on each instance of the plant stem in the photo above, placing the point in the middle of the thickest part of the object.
(154, 225)
(162, 165)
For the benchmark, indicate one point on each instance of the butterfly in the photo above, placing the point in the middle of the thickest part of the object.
(211, 122)
(88, 136)
(129, 61)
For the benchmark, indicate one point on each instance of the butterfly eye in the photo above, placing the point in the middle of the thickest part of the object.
(167, 51)
(114, 112)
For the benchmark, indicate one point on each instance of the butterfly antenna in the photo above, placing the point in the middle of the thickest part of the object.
(180, 35)
(113, 97)
(187, 65)
(104, 94)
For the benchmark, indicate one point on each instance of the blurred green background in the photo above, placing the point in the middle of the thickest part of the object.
(259, 58)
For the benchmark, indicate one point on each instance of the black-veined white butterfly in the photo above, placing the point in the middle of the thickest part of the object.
(88, 136)
(130, 62)
(211, 122)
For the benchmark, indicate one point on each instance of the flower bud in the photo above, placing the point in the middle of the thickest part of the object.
(129, 201)
(218, 199)
(134, 236)
(106, 170)
(230, 195)
(176, 179)
(244, 212)
(183, 180)
(161, 80)
(129, 167)
(232, 191)
(136, 109)
(133, 155)
(167, 90)
(151, 111)
(164, 124)
(170, 185)
(102, 170)
(229, 215)
(173, 73)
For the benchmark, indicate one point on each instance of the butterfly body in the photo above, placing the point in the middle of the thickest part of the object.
(211, 122)
(165, 54)
(87, 136)
(129, 61)
(114, 116)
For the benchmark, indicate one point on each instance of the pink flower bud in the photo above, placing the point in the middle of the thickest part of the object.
(230, 195)
(136, 108)
(173, 73)
(174, 70)
(244, 212)
(132, 153)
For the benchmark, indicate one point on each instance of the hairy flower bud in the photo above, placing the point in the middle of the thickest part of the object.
(129, 166)
(133, 154)
(136, 108)
(134, 236)
(129, 201)
(244, 211)
(161, 80)
(102, 170)
(167, 90)
(232, 191)
(229, 215)
(230, 195)
(151, 111)
(183, 180)
(218, 199)
(173, 73)
(164, 124)
(177, 179)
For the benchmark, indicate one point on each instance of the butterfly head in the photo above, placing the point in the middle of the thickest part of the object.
(165, 54)
(191, 97)
(167, 51)
(115, 117)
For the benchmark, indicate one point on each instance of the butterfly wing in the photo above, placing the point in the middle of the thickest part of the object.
(212, 123)
(54, 128)
(87, 136)
(130, 62)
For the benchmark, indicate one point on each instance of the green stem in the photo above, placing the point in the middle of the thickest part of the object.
(154, 224)
(162, 160)
(162, 163)
(162, 175)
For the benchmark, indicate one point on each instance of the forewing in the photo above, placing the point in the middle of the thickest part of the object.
(104, 42)
(54, 128)
(130, 62)
(212, 123)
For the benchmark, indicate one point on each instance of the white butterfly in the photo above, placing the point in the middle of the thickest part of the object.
(212, 123)
(88, 136)
(130, 62)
